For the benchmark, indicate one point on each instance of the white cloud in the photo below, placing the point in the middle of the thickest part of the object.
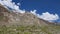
(46, 16)
(18, 4)
(33, 12)
(12, 5)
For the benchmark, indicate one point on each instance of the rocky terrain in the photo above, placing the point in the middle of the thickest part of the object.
(24, 23)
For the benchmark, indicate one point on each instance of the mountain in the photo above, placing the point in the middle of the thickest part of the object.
(11, 17)
(12, 22)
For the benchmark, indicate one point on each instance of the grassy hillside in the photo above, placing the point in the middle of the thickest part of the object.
(32, 29)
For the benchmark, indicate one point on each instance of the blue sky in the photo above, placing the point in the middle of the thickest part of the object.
(44, 9)
(52, 6)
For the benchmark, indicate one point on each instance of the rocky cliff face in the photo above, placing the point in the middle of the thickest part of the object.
(24, 23)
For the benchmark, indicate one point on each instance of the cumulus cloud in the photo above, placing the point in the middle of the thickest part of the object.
(46, 16)
(12, 5)
(33, 12)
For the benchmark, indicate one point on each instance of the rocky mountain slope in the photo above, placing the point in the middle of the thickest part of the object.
(24, 23)
(11, 17)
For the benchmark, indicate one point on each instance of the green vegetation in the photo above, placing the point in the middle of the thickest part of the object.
(27, 29)
(45, 29)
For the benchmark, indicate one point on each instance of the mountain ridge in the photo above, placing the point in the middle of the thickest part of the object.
(10, 15)
(12, 22)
